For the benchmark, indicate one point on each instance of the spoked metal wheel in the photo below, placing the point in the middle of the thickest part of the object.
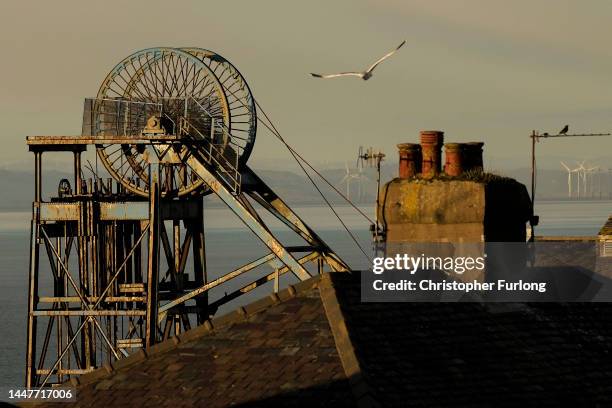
(164, 82)
(241, 104)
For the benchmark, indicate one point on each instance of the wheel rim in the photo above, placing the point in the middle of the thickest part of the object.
(243, 112)
(148, 81)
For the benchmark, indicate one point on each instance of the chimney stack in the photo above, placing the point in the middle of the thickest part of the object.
(472, 153)
(431, 147)
(425, 160)
(409, 160)
(453, 165)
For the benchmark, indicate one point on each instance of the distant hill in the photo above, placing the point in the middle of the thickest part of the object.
(552, 184)
(17, 187)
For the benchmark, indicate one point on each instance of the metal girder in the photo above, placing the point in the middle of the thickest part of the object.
(257, 283)
(153, 255)
(76, 299)
(98, 139)
(41, 312)
(276, 206)
(245, 215)
(120, 210)
(204, 288)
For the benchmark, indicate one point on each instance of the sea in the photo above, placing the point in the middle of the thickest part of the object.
(229, 244)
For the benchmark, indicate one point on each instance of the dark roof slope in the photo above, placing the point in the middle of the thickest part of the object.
(272, 348)
(480, 355)
(318, 344)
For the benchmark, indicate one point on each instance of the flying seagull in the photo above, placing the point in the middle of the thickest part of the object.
(564, 130)
(365, 75)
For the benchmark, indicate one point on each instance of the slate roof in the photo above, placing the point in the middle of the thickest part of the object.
(474, 355)
(317, 344)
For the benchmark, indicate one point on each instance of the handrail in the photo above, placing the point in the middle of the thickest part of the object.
(117, 116)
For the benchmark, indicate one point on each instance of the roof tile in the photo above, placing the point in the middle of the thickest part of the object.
(318, 344)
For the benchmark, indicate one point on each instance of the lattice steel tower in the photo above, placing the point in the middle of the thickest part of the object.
(170, 125)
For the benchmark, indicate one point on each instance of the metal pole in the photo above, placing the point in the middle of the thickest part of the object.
(37, 176)
(57, 289)
(378, 160)
(153, 255)
(77, 172)
(533, 163)
(30, 378)
(176, 226)
(533, 172)
(199, 261)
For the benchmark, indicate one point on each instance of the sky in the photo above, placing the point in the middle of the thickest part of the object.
(489, 70)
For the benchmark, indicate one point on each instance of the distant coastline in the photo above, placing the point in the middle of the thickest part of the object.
(296, 189)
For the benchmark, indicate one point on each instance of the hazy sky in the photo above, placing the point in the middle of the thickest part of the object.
(488, 70)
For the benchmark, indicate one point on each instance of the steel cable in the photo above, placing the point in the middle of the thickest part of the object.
(297, 158)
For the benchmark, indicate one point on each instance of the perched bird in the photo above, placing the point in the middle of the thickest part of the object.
(564, 130)
(365, 75)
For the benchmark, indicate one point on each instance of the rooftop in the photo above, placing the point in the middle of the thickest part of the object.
(316, 343)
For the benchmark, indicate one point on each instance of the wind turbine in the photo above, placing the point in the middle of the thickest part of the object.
(588, 178)
(348, 177)
(580, 170)
(599, 182)
(569, 179)
(359, 178)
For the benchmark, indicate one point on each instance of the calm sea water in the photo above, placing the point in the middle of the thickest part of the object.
(230, 245)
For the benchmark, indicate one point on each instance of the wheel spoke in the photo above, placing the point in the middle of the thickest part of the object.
(163, 78)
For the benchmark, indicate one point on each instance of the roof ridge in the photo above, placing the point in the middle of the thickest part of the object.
(237, 315)
(344, 344)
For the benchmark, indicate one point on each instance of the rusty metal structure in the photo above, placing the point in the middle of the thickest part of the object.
(170, 126)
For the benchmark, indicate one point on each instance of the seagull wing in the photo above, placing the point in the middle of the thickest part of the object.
(384, 57)
(326, 76)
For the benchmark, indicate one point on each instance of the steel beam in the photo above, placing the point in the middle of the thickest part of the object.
(32, 303)
(264, 195)
(257, 283)
(98, 139)
(41, 312)
(153, 255)
(204, 288)
(249, 220)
